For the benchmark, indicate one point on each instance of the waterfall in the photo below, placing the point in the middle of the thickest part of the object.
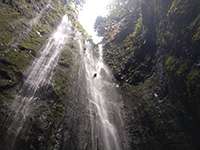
(40, 74)
(104, 111)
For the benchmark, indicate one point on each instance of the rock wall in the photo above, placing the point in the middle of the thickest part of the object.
(157, 68)
(154, 56)
(59, 117)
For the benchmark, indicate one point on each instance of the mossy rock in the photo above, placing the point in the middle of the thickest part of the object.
(176, 66)
(170, 63)
(138, 27)
(10, 76)
(6, 97)
(57, 112)
(61, 78)
(196, 35)
(33, 42)
(182, 69)
(193, 84)
(8, 19)
(6, 38)
(21, 59)
(194, 76)
(8, 15)
(184, 11)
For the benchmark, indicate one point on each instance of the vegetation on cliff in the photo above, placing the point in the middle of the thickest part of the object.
(153, 47)
(25, 27)
(153, 50)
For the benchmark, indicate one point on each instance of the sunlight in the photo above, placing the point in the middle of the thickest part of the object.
(92, 9)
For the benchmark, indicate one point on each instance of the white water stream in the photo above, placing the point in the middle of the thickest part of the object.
(102, 100)
(101, 93)
(40, 73)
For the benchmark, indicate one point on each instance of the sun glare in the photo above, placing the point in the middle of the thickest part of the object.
(92, 9)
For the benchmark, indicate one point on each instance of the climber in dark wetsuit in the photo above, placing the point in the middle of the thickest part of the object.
(84, 49)
(95, 75)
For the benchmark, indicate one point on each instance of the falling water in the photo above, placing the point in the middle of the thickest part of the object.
(40, 73)
(102, 98)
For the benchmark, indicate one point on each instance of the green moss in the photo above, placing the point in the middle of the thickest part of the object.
(133, 38)
(66, 70)
(138, 27)
(6, 37)
(43, 29)
(179, 7)
(34, 41)
(170, 64)
(70, 10)
(58, 111)
(176, 66)
(174, 7)
(19, 58)
(142, 88)
(193, 83)
(53, 17)
(182, 69)
(9, 76)
(3, 83)
(8, 15)
(9, 18)
(196, 35)
(6, 97)
(59, 84)
(61, 78)
(27, 44)
(194, 75)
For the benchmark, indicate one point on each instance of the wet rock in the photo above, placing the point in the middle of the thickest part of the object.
(155, 66)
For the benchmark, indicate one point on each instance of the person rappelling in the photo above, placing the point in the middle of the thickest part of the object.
(84, 49)
(95, 75)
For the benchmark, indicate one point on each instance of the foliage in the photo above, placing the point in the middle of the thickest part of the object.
(138, 26)
(119, 11)
(121, 8)
(194, 76)
(170, 63)
(100, 25)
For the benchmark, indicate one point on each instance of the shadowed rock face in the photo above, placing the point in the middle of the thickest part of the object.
(157, 66)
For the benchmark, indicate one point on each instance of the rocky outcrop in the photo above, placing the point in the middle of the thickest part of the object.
(157, 68)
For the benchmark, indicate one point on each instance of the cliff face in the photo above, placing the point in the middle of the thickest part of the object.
(153, 53)
(157, 68)
(58, 118)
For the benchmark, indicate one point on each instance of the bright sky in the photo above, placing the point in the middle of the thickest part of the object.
(92, 9)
